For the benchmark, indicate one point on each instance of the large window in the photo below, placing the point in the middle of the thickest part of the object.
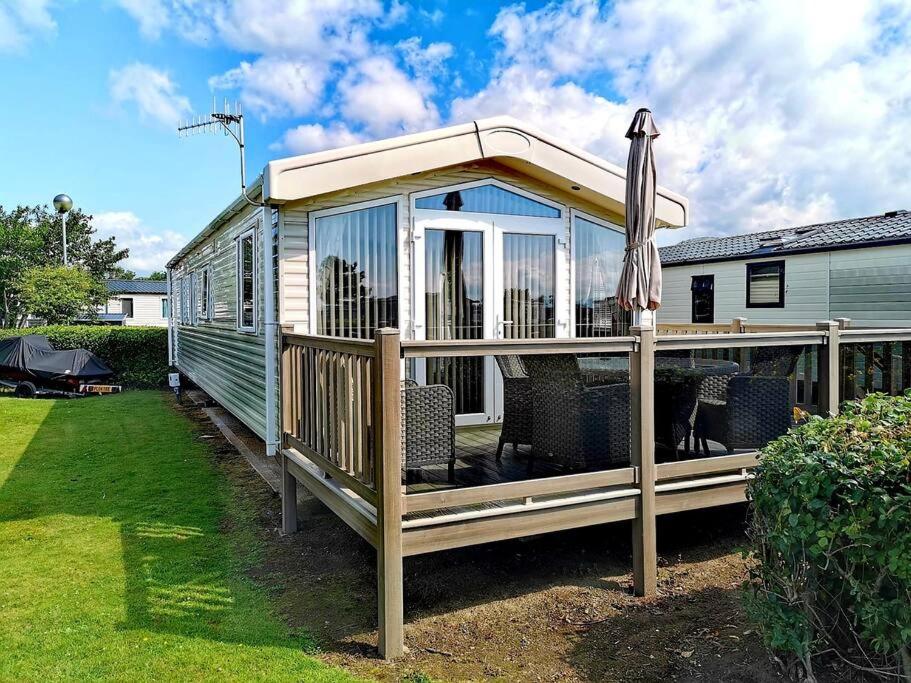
(703, 291)
(488, 199)
(246, 281)
(765, 285)
(126, 307)
(597, 261)
(356, 271)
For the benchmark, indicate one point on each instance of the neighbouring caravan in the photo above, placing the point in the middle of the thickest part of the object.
(486, 230)
(858, 268)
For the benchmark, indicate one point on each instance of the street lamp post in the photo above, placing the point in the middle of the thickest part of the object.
(63, 204)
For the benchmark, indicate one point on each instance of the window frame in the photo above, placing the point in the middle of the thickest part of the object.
(165, 307)
(604, 223)
(132, 301)
(206, 294)
(458, 187)
(750, 267)
(250, 232)
(693, 299)
(401, 251)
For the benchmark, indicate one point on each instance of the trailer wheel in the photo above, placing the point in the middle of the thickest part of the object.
(26, 390)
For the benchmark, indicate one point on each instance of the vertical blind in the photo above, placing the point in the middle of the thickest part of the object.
(454, 298)
(528, 286)
(598, 260)
(357, 274)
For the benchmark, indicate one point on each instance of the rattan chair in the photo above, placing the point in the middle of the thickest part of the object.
(749, 410)
(575, 425)
(517, 403)
(428, 426)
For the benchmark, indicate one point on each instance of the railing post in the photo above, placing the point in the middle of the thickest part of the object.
(387, 437)
(738, 325)
(286, 387)
(829, 366)
(642, 431)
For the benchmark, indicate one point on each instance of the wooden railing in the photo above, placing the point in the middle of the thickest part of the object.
(341, 425)
(328, 386)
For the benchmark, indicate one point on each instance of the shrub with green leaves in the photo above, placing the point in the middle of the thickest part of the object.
(138, 355)
(831, 538)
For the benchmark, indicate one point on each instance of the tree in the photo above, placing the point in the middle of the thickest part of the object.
(22, 246)
(158, 275)
(118, 273)
(99, 257)
(59, 295)
(31, 236)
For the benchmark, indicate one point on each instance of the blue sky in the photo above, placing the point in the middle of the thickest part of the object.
(771, 113)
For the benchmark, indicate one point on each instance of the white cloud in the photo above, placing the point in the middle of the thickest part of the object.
(425, 61)
(22, 20)
(276, 87)
(383, 99)
(149, 248)
(771, 113)
(153, 92)
(315, 137)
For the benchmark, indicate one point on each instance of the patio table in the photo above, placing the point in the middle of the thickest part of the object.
(678, 382)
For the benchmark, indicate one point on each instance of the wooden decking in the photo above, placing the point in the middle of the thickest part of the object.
(476, 463)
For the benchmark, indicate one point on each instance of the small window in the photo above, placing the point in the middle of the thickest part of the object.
(246, 282)
(126, 307)
(165, 308)
(194, 298)
(765, 285)
(703, 290)
(185, 301)
(487, 199)
(205, 295)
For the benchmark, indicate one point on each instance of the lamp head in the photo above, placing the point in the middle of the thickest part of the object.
(62, 203)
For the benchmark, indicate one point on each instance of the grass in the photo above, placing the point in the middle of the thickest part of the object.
(123, 552)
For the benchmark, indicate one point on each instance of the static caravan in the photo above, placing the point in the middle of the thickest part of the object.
(858, 268)
(487, 230)
(136, 302)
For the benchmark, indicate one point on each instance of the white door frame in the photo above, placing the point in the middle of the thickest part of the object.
(494, 227)
(448, 220)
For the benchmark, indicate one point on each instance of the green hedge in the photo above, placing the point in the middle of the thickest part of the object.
(831, 538)
(139, 355)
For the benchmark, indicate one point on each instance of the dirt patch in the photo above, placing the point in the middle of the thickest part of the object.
(554, 607)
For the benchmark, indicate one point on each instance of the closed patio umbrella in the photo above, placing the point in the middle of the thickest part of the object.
(640, 280)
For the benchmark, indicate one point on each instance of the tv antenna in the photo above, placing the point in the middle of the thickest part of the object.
(231, 122)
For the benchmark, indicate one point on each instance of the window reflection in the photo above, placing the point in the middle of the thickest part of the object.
(357, 275)
(598, 261)
(488, 199)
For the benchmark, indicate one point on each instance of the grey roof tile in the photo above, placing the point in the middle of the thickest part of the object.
(893, 225)
(137, 286)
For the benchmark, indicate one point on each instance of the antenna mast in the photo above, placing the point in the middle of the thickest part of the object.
(231, 122)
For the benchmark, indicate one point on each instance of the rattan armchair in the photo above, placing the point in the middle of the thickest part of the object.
(748, 411)
(576, 425)
(517, 403)
(428, 426)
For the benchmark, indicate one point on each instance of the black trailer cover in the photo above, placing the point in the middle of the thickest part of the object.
(33, 355)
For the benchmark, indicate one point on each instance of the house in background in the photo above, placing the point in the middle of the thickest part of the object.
(135, 302)
(486, 230)
(858, 268)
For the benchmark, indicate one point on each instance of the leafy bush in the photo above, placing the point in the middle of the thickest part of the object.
(831, 538)
(138, 355)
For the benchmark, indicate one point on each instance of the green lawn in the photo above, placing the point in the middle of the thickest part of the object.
(122, 552)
